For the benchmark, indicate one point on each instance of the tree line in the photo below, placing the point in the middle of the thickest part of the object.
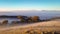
(29, 19)
(24, 19)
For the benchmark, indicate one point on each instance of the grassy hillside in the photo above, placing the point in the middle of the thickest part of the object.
(35, 28)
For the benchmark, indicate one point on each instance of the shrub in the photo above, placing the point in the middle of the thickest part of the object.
(5, 22)
(35, 18)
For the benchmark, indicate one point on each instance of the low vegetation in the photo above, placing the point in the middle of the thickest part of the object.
(23, 19)
(26, 19)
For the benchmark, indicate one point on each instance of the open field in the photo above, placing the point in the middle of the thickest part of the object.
(35, 28)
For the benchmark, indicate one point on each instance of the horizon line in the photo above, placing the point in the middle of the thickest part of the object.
(30, 9)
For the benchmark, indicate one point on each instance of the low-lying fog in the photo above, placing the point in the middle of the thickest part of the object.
(41, 14)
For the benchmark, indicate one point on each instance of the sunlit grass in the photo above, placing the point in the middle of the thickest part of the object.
(31, 29)
(28, 30)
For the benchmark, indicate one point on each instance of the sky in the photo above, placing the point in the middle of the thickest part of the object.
(29, 5)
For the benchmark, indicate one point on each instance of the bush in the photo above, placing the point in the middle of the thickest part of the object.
(5, 22)
(35, 18)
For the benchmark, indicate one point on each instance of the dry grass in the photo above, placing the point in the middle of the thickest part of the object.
(28, 30)
(31, 29)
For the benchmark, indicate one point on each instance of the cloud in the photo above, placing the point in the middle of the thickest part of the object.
(11, 9)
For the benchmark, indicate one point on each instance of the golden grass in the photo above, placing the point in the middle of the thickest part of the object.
(30, 30)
